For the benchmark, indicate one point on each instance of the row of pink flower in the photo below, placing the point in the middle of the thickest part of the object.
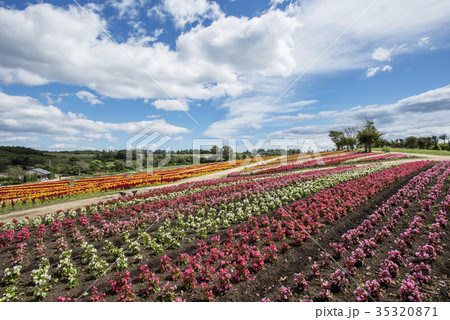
(420, 270)
(339, 279)
(390, 267)
(382, 157)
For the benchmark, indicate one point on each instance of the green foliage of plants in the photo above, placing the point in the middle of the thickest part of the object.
(420, 151)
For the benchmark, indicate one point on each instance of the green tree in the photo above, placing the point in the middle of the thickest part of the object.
(350, 133)
(337, 138)
(214, 150)
(95, 166)
(411, 142)
(434, 143)
(227, 153)
(444, 137)
(422, 143)
(17, 172)
(119, 165)
(81, 167)
(368, 135)
(73, 160)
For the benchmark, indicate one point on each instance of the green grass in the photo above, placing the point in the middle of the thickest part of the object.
(421, 151)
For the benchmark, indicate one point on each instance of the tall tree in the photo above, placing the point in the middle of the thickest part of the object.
(336, 136)
(368, 135)
(411, 142)
(434, 142)
(444, 137)
(350, 136)
(227, 153)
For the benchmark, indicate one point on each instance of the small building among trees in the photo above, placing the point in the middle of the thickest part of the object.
(40, 173)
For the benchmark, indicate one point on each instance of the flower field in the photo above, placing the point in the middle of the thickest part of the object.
(14, 196)
(376, 232)
(297, 162)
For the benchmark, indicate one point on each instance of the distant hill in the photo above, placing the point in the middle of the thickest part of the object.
(21, 156)
(21, 150)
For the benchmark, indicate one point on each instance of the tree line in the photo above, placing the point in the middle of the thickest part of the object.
(412, 142)
(368, 136)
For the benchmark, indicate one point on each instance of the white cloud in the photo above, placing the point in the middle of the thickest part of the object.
(128, 8)
(60, 146)
(382, 54)
(24, 115)
(171, 105)
(18, 75)
(288, 119)
(50, 100)
(43, 44)
(424, 114)
(5, 138)
(424, 42)
(251, 113)
(86, 137)
(261, 45)
(88, 97)
(186, 12)
(374, 70)
(276, 2)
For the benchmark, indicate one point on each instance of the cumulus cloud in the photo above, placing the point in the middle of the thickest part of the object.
(24, 115)
(88, 97)
(171, 105)
(374, 70)
(18, 75)
(382, 54)
(261, 45)
(64, 45)
(43, 44)
(186, 12)
(128, 8)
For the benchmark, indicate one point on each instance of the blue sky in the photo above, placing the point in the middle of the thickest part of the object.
(93, 74)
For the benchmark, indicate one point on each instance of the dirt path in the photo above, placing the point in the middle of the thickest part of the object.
(74, 204)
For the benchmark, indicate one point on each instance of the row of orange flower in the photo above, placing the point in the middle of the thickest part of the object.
(40, 192)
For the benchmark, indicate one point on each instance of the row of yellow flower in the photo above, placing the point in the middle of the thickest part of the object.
(40, 192)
